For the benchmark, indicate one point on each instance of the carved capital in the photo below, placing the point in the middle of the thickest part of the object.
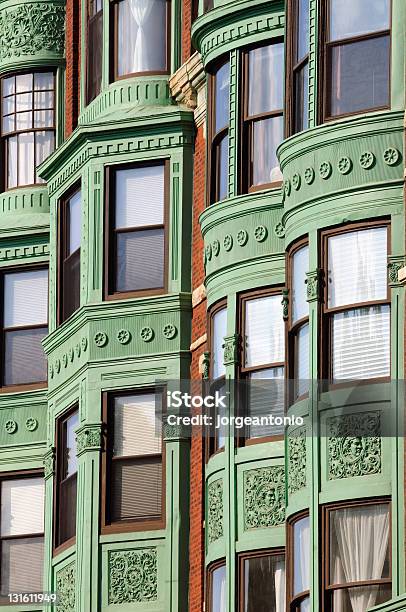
(89, 438)
(285, 304)
(232, 349)
(395, 264)
(49, 463)
(314, 282)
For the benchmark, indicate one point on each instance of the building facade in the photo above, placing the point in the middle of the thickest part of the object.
(212, 191)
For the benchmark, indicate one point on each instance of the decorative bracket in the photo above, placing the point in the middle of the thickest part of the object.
(49, 463)
(315, 284)
(89, 438)
(395, 263)
(285, 304)
(232, 349)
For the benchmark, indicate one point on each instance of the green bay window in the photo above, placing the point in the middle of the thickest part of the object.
(219, 119)
(142, 37)
(356, 38)
(263, 359)
(28, 125)
(263, 116)
(356, 309)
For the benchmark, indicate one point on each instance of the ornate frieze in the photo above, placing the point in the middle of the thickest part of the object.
(354, 445)
(264, 497)
(133, 576)
(65, 587)
(215, 510)
(297, 460)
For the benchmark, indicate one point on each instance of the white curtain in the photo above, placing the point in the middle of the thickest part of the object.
(141, 10)
(280, 587)
(362, 537)
(301, 573)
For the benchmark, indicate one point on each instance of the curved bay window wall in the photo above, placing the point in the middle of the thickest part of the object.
(356, 310)
(141, 37)
(356, 50)
(298, 321)
(357, 556)
(263, 359)
(94, 56)
(27, 126)
(297, 82)
(218, 330)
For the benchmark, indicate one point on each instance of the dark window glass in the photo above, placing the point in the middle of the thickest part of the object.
(208, 5)
(94, 48)
(25, 324)
(298, 77)
(28, 125)
(357, 56)
(141, 37)
(70, 236)
(138, 229)
(298, 345)
(263, 121)
(67, 478)
(220, 117)
(217, 589)
(299, 577)
(22, 535)
(136, 460)
(264, 583)
(218, 331)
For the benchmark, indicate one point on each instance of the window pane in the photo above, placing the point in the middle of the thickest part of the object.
(264, 583)
(359, 76)
(136, 429)
(75, 221)
(16, 497)
(8, 105)
(219, 331)
(140, 260)
(8, 124)
(67, 501)
(43, 99)
(266, 84)
(23, 121)
(267, 136)
(222, 98)
(71, 284)
(43, 80)
(26, 159)
(70, 459)
(94, 54)
(350, 18)
(22, 563)
(304, 605)
(302, 372)
(361, 343)
(301, 556)
(18, 310)
(25, 360)
(137, 489)
(301, 98)
(218, 590)
(300, 265)
(357, 267)
(361, 598)
(264, 331)
(23, 102)
(9, 86)
(266, 396)
(44, 145)
(222, 168)
(12, 161)
(43, 119)
(140, 196)
(359, 546)
(302, 30)
(142, 33)
(23, 82)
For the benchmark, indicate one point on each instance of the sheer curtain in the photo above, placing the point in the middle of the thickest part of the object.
(141, 10)
(362, 537)
(301, 574)
(280, 586)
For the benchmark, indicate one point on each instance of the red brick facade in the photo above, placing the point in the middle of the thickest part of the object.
(72, 43)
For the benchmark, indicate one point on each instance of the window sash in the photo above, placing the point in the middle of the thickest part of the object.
(361, 31)
(272, 594)
(66, 479)
(94, 54)
(263, 331)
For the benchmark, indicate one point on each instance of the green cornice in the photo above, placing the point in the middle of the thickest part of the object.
(25, 209)
(235, 24)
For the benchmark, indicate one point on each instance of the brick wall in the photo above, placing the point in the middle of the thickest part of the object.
(72, 45)
(187, 15)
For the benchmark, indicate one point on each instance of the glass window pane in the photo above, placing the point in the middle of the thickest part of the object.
(70, 459)
(140, 260)
(22, 562)
(25, 360)
(137, 489)
(266, 82)
(264, 331)
(361, 343)
(94, 54)
(43, 99)
(8, 124)
(43, 119)
(23, 82)
(16, 497)
(301, 98)
(222, 168)
(302, 29)
(18, 286)
(142, 34)
(44, 145)
(359, 76)
(140, 196)
(71, 285)
(302, 372)
(43, 80)
(357, 267)
(218, 594)
(219, 331)
(67, 501)
(26, 159)
(8, 105)
(266, 396)
(361, 598)
(23, 121)
(267, 136)
(222, 98)
(12, 161)
(264, 583)
(359, 546)
(304, 605)
(23, 102)
(75, 221)
(301, 555)
(300, 265)
(350, 18)
(9, 86)
(136, 428)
